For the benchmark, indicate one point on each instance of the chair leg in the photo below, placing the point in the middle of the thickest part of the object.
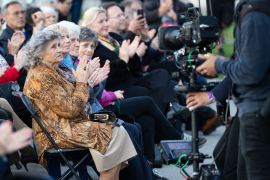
(68, 172)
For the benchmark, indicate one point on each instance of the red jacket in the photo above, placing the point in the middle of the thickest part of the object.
(11, 75)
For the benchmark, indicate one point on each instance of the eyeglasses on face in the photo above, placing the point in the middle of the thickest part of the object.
(119, 16)
(17, 13)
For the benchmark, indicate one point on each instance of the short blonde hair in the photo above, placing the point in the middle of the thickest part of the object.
(91, 14)
(57, 27)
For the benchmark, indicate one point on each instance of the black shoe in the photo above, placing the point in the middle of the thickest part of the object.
(170, 117)
(181, 112)
(188, 137)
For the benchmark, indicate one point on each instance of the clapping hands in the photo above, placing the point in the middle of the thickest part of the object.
(12, 141)
(99, 75)
(15, 43)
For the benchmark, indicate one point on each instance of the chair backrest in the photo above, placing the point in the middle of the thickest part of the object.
(33, 112)
(28, 105)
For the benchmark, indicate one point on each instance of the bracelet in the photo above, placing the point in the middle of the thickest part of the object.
(210, 97)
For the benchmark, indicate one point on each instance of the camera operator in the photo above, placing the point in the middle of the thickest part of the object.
(226, 151)
(250, 89)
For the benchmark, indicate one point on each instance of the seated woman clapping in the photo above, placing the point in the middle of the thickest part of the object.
(60, 107)
(138, 168)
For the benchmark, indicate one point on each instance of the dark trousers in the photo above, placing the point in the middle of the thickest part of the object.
(20, 109)
(169, 66)
(152, 121)
(227, 145)
(254, 148)
(157, 84)
(138, 168)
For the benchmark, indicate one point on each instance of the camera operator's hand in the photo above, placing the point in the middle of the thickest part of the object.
(208, 67)
(197, 99)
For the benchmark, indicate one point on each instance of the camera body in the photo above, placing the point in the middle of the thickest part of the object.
(196, 31)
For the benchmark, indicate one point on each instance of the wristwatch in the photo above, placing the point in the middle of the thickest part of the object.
(210, 97)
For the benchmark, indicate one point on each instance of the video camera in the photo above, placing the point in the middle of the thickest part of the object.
(198, 35)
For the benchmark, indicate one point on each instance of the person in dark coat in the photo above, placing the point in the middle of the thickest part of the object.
(15, 18)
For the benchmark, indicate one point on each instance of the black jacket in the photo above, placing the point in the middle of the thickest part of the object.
(120, 75)
(7, 34)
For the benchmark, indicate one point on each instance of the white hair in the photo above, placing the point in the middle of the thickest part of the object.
(72, 28)
(91, 14)
(36, 46)
(43, 2)
(57, 27)
(50, 10)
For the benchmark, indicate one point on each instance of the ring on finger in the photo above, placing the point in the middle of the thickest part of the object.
(84, 68)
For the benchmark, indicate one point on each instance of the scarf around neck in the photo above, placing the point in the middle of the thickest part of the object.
(110, 43)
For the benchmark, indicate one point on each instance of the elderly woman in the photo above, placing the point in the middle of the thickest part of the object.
(138, 167)
(74, 31)
(144, 109)
(156, 84)
(60, 106)
(51, 16)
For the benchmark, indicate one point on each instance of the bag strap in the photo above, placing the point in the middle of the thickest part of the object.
(255, 6)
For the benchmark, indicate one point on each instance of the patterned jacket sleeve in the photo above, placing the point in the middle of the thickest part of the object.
(55, 96)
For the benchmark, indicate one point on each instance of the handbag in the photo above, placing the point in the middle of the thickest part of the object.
(107, 117)
(6, 92)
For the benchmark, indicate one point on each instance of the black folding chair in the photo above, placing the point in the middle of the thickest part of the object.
(77, 155)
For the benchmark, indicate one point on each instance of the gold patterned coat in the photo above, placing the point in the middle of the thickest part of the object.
(60, 108)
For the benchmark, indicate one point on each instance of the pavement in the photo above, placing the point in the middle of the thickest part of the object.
(168, 171)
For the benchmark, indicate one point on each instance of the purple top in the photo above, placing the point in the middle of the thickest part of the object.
(107, 98)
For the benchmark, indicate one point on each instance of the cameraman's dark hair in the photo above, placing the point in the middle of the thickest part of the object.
(107, 5)
(8, 4)
(61, 1)
(28, 14)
